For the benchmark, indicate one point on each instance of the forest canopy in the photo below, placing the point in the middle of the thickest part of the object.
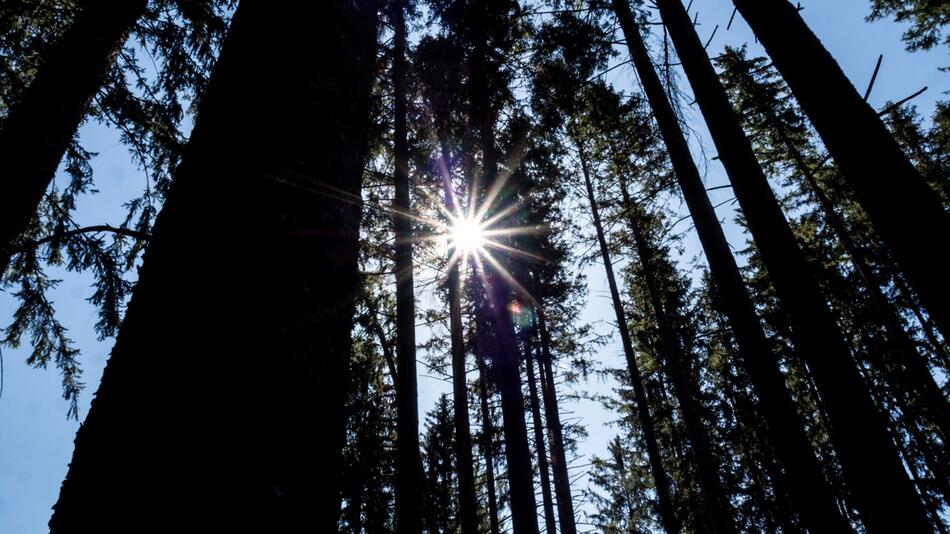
(357, 287)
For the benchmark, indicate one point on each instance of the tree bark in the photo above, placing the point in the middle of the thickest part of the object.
(409, 505)
(225, 389)
(664, 501)
(562, 481)
(884, 495)
(544, 475)
(904, 210)
(39, 127)
(814, 500)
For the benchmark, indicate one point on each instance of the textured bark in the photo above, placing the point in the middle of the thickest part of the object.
(39, 127)
(562, 481)
(665, 502)
(226, 386)
(409, 494)
(904, 210)
(547, 501)
(884, 494)
(783, 424)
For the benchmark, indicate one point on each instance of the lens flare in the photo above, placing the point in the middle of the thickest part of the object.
(466, 235)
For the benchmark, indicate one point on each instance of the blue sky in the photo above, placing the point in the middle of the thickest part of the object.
(35, 437)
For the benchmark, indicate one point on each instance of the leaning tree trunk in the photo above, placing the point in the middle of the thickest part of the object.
(547, 502)
(908, 367)
(39, 127)
(562, 481)
(814, 500)
(226, 386)
(665, 503)
(409, 492)
(884, 494)
(904, 210)
(685, 390)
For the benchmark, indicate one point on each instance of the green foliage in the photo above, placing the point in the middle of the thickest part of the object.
(927, 20)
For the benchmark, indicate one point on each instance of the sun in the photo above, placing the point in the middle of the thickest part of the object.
(467, 235)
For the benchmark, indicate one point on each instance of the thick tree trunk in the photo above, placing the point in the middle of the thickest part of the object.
(814, 500)
(904, 210)
(562, 481)
(39, 127)
(409, 462)
(665, 502)
(488, 430)
(908, 368)
(884, 495)
(547, 502)
(225, 390)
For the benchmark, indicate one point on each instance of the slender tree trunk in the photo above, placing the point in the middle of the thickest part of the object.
(547, 501)
(884, 494)
(226, 387)
(562, 481)
(39, 127)
(813, 498)
(468, 503)
(905, 212)
(408, 482)
(721, 513)
(488, 431)
(506, 356)
(665, 502)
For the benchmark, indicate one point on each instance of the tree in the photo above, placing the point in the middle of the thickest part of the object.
(39, 127)
(409, 492)
(298, 144)
(782, 421)
(860, 144)
(866, 451)
(927, 20)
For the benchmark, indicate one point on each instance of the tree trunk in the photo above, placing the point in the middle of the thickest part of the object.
(718, 508)
(562, 481)
(468, 504)
(814, 500)
(535, 404)
(506, 356)
(409, 462)
(904, 210)
(914, 380)
(225, 390)
(665, 502)
(884, 494)
(488, 431)
(39, 127)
